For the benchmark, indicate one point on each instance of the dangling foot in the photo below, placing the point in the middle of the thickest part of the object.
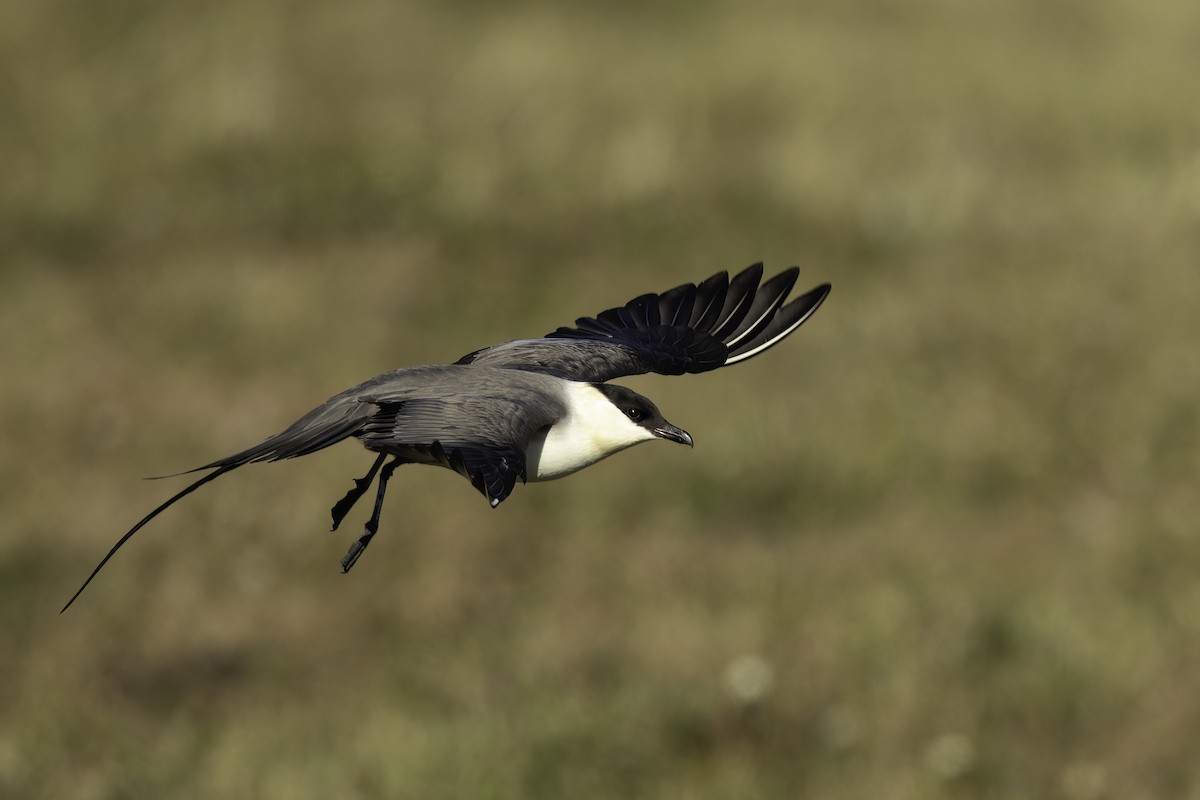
(356, 550)
(342, 507)
(372, 526)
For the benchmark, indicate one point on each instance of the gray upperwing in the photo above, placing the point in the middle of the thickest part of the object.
(575, 360)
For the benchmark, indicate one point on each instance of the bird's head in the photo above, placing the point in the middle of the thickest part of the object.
(644, 414)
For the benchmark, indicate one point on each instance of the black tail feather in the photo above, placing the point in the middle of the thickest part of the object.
(329, 423)
(191, 488)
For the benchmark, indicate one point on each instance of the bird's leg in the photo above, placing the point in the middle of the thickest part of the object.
(372, 525)
(342, 507)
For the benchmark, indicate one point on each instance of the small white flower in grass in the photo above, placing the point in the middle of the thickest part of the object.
(950, 755)
(749, 678)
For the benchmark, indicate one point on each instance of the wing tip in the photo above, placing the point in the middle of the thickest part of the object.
(806, 305)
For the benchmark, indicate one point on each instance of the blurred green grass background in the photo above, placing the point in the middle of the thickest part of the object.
(942, 543)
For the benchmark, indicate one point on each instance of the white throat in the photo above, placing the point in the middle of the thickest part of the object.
(592, 429)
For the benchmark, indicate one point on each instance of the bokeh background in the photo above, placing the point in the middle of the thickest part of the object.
(942, 543)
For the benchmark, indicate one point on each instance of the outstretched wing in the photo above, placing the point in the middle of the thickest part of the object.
(691, 328)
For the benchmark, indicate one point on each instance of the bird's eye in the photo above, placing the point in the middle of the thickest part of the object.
(635, 414)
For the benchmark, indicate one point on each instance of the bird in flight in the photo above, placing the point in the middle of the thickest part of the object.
(533, 409)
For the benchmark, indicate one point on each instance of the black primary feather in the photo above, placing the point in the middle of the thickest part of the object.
(723, 317)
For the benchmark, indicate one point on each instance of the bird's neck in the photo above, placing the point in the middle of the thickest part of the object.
(593, 428)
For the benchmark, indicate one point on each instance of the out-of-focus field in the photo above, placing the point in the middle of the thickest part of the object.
(941, 543)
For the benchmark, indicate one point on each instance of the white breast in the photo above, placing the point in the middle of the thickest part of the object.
(592, 429)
